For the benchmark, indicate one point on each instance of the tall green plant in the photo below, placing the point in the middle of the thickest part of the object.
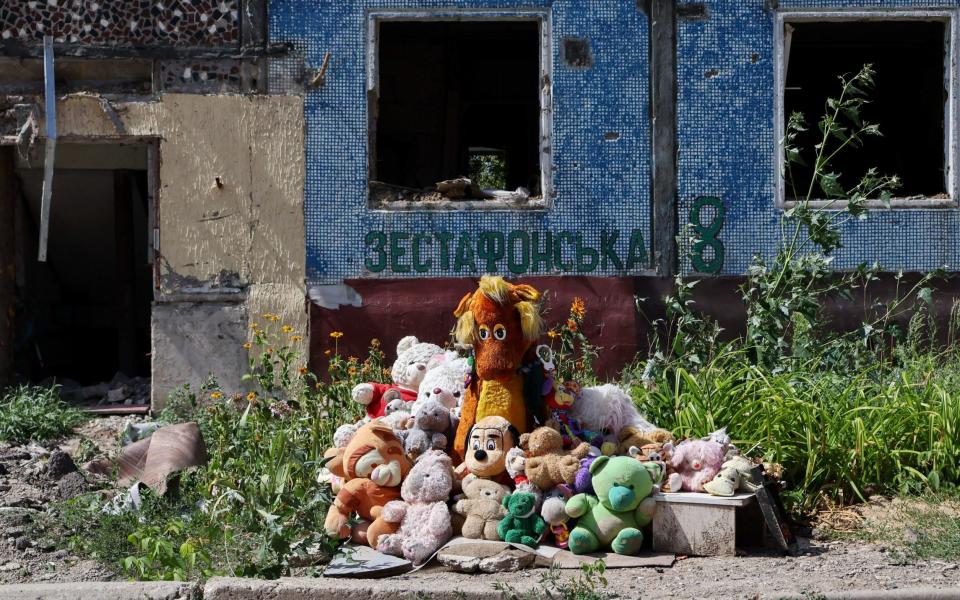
(784, 295)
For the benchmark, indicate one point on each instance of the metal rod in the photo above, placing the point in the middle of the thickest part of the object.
(50, 145)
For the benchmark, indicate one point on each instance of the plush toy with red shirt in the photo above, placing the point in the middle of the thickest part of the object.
(414, 359)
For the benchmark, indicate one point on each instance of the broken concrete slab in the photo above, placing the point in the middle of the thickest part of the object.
(102, 590)
(192, 341)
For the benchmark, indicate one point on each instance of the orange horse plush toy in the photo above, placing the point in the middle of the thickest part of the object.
(502, 323)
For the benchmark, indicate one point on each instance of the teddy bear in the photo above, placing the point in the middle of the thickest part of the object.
(397, 415)
(547, 464)
(622, 505)
(445, 382)
(371, 466)
(430, 428)
(631, 436)
(422, 515)
(522, 524)
(482, 509)
(488, 443)
(660, 453)
(413, 358)
(697, 462)
(554, 513)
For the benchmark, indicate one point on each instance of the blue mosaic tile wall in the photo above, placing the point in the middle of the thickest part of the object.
(727, 144)
(600, 184)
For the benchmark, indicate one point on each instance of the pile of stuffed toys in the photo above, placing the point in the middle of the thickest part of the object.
(492, 447)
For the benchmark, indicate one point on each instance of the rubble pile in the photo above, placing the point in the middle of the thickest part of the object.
(122, 390)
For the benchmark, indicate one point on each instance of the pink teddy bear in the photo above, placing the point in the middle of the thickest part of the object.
(697, 462)
(423, 515)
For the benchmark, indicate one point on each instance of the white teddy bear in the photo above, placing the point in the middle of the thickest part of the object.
(446, 383)
(413, 359)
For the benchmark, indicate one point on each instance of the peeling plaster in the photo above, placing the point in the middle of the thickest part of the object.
(334, 296)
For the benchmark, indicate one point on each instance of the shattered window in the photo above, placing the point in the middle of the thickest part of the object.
(457, 112)
(908, 103)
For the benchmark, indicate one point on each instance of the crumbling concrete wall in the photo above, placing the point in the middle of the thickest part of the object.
(230, 219)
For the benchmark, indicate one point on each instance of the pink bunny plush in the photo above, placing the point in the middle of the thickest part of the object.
(697, 462)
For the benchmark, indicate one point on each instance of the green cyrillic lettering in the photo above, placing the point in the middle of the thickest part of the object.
(396, 251)
(464, 256)
(521, 265)
(490, 249)
(637, 255)
(419, 265)
(584, 253)
(608, 249)
(377, 242)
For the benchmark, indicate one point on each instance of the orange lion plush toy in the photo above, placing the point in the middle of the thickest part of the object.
(373, 465)
(502, 323)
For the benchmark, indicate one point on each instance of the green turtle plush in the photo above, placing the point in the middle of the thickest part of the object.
(622, 506)
(522, 525)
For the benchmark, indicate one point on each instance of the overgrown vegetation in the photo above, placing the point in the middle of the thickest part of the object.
(846, 413)
(589, 584)
(257, 507)
(33, 413)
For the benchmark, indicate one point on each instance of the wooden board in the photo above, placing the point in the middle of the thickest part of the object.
(741, 499)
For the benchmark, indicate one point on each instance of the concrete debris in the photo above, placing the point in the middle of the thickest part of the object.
(485, 557)
(60, 464)
(119, 391)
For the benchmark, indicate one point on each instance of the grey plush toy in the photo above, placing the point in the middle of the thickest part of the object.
(431, 424)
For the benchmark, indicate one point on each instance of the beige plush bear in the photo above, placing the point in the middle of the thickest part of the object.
(548, 464)
(482, 507)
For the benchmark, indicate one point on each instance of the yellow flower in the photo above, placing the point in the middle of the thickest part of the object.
(578, 308)
(216, 395)
(268, 350)
(386, 372)
(248, 345)
(374, 343)
(251, 396)
(254, 326)
(352, 371)
(296, 339)
(286, 329)
(336, 334)
(552, 333)
(267, 316)
(303, 370)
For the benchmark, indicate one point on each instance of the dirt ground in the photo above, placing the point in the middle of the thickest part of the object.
(863, 558)
(28, 485)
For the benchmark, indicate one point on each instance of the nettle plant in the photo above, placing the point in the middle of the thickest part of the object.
(783, 296)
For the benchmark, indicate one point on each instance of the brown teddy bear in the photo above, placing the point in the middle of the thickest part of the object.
(658, 452)
(482, 508)
(548, 464)
(633, 437)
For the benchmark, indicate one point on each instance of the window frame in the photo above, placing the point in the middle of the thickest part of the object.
(951, 108)
(542, 17)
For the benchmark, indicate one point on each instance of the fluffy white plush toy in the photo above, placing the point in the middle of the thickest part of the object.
(607, 409)
(413, 360)
(446, 382)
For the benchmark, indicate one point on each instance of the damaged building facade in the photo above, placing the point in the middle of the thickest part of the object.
(218, 160)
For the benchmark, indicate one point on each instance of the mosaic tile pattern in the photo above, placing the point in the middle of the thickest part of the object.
(600, 145)
(192, 77)
(727, 144)
(135, 22)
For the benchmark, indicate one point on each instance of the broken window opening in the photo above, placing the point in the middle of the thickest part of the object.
(909, 102)
(83, 317)
(456, 102)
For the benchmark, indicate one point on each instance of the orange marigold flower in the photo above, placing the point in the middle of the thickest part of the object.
(296, 338)
(251, 396)
(578, 308)
(552, 333)
(336, 334)
(216, 395)
(303, 370)
(572, 325)
(248, 345)
(286, 329)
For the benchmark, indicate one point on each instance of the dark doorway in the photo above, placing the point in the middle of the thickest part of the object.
(458, 93)
(908, 102)
(84, 314)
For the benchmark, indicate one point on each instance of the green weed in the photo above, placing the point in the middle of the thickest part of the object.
(32, 413)
(589, 584)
